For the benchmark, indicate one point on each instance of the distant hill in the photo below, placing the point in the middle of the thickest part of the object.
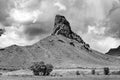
(114, 52)
(63, 48)
(1, 31)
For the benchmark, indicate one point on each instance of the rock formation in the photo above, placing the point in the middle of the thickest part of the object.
(62, 27)
(63, 49)
(114, 52)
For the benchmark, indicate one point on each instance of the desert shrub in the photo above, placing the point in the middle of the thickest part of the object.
(71, 43)
(39, 68)
(49, 68)
(87, 46)
(93, 72)
(61, 41)
(116, 73)
(106, 71)
(77, 73)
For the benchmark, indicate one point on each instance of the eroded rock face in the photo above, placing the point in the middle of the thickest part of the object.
(61, 51)
(62, 27)
(114, 52)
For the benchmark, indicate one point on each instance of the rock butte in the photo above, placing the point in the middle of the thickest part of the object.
(63, 49)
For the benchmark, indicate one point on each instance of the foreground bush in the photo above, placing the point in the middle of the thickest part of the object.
(106, 71)
(93, 72)
(49, 69)
(77, 73)
(115, 73)
(39, 68)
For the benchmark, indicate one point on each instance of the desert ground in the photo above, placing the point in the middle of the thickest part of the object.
(61, 78)
(61, 74)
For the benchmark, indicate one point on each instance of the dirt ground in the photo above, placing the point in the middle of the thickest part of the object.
(112, 77)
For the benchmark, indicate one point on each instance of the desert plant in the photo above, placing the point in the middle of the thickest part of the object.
(37, 67)
(106, 71)
(87, 46)
(71, 43)
(116, 73)
(93, 72)
(77, 73)
(49, 68)
(43, 70)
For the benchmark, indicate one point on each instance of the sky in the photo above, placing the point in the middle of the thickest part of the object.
(27, 21)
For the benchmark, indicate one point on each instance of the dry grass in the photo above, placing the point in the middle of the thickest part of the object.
(67, 75)
(60, 78)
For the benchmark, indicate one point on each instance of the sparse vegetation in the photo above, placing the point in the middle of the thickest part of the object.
(115, 73)
(77, 73)
(61, 41)
(39, 68)
(49, 69)
(93, 72)
(106, 71)
(71, 43)
(87, 46)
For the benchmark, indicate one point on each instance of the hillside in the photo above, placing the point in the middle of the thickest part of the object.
(114, 52)
(63, 48)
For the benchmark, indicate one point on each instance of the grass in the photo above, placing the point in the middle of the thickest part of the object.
(60, 78)
(68, 74)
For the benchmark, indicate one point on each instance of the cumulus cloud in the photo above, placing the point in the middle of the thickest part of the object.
(98, 41)
(27, 21)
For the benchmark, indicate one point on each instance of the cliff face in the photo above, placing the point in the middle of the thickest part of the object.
(62, 27)
(63, 48)
(114, 52)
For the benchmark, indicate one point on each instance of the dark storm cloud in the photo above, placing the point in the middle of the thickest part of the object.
(3, 11)
(5, 6)
(114, 23)
(37, 30)
(34, 31)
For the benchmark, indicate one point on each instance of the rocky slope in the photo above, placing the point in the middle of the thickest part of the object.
(114, 52)
(63, 48)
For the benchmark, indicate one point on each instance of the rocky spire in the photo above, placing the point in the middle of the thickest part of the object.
(62, 27)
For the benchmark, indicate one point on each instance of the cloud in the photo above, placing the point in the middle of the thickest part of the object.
(32, 31)
(114, 24)
(108, 43)
(12, 36)
(101, 43)
(30, 20)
